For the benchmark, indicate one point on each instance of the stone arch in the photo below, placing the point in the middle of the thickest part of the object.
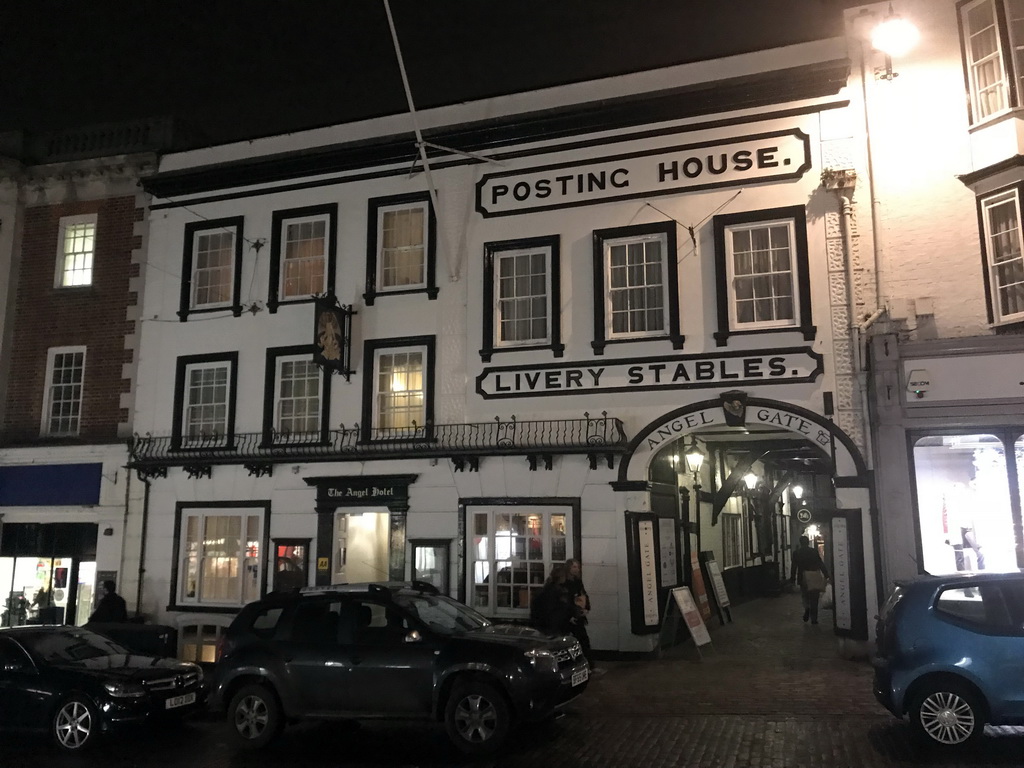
(849, 461)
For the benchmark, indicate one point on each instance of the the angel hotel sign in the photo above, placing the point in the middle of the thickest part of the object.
(777, 366)
(728, 162)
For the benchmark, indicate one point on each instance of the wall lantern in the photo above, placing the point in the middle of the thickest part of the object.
(694, 458)
(797, 491)
(750, 480)
(894, 36)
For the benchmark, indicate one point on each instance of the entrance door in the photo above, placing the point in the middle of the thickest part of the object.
(361, 551)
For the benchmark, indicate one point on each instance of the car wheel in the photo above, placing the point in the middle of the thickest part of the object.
(477, 718)
(947, 714)
(255, 716)
(76, 724)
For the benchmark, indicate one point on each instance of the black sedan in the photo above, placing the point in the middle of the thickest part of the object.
(77, 684)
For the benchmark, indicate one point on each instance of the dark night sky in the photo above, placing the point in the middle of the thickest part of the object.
(230, 69)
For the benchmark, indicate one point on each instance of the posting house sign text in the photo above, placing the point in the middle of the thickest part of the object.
(729, 162)
(777, 366)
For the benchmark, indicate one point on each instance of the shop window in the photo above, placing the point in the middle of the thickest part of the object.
(302, 254)
(297, 393)
(401, 247)
(76, 247)
(636, 280)
(993, 44)
(512, 553)
(211, 274)
(205, 401)
(398, 396)
(62, 401)
(1004, 256)
(521, 296)
(732, 541)
(430, 562)
(291, 564)
(761, 270)
(220, 556)
(963, 504)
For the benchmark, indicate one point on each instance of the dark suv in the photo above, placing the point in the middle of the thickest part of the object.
(951, 654)
(388, 651)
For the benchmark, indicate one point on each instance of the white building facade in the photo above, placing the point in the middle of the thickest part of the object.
(356, 368)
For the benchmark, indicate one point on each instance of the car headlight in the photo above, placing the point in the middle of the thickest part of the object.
(542, 661)
(122, 689)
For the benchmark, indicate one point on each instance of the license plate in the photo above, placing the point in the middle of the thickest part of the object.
(580, 676)
(181, 701)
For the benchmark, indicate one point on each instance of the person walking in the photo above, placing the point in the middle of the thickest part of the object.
(809, 572)
(552, 611)
(580, 600)
(111, 607)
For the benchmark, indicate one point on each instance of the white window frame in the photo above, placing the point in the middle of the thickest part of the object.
(987, 204)
(794, 276)
(732, 540)
(187, 404)
(247, 566)
(304, 435)
(1000, 84)
(46, 421)
(666, 307)
(87, 256)
(382, 211)
(513, 253)
(230, 269)
(407, 431)
(282, 280)
(482, 570)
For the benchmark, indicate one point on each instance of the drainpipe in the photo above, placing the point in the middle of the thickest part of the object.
(142, 546)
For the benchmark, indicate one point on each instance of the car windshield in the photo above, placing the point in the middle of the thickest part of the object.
(442, 614)
(69, 646)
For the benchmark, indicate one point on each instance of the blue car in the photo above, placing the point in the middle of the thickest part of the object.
(950, 655)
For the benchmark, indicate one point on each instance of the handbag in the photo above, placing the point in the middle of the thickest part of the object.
(814, 581)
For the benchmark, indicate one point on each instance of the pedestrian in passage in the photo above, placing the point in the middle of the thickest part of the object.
(809, 572)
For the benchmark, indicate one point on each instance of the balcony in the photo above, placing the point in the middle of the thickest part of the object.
(599, 438)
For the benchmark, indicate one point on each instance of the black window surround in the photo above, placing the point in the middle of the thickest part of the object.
(370, 348)
(185, 306)
(491, 253)
(802, 324)
(372, 242)
(270, 397)
(183, 363)
(330, 210)
(1006, 59)
(990, 306)
(668, 229)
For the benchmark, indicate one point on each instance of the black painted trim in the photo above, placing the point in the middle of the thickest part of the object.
(184, 308)
(330, 210)
(990, 300)
(179, 509)
(798, 214)
(370, 347)
(972, 178)
(372, 236)
(270, 395)
(811, 81)
(465, 530)
(636, 597)
(179, 398)
(490, 344)
(666, 228)
(1013, 97)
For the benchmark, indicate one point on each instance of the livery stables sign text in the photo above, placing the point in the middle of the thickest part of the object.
(729, 162)
(779, 366)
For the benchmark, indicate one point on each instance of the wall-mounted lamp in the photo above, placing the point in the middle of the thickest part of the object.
(694, 460)
(797, 491)
(894, 36)
(750, 480)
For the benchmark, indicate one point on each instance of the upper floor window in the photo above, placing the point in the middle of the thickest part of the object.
(398, 395)
(992, 34)
(211, 276)
(76, 247)
(1004, 259)
(635, 274)
(62, 401)
(761, 266)
(297, 394)
(302, 253)
(219, 555)
(521, 296)
(205, 401)
(401, 246)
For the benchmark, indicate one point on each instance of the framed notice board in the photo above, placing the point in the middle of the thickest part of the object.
(714, 574)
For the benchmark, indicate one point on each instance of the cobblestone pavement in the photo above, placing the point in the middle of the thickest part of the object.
(770, 693)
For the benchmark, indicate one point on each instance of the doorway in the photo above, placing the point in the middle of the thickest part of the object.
(361, 547)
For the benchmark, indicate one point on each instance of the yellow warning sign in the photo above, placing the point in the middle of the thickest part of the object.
(322, 564)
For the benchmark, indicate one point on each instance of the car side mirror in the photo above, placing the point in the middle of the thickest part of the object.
(414, 636)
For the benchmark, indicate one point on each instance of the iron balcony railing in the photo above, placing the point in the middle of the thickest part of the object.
(599, 436)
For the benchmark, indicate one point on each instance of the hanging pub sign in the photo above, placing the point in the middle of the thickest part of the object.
(332, 335)
(742, 160)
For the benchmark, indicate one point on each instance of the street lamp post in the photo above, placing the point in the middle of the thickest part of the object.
(694, 461)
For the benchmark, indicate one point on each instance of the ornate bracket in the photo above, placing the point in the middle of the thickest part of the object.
(595, 457)
(195, 471)
(145, 473)
(259, 468)
(462, 462)
(532, 460)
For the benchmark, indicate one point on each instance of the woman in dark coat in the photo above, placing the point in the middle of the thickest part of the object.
(581, 606)
(806, 558)
(552, 611)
